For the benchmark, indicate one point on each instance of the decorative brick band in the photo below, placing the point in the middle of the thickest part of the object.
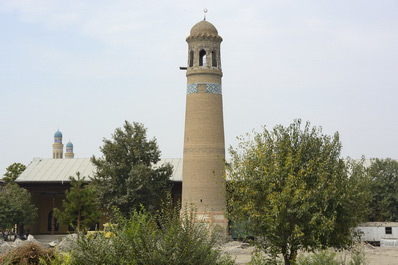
(212, 88)
(204, 150)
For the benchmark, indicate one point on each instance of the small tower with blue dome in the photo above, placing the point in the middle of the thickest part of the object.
(58, 147)
(69, 150)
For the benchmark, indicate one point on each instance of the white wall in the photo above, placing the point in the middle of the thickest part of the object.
(376, 233)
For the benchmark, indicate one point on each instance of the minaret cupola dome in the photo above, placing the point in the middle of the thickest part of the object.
(69, 145)
(58, 134)
(204, 29)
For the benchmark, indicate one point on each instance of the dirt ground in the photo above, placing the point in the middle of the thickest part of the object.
(382, 255)
(374, 255)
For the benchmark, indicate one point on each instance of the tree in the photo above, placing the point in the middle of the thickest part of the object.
(13, 172)
(15, 207)
(384, 190)
(80, 209)
(293, 192)
(126, 176)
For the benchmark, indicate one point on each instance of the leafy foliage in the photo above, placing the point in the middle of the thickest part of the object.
(126, 176)
(80, 206)
(384, 189)
(293, 191)
(56, 259)
(330, 257)
(164, 238)
(320, 258)
(15, 207)
(258, 258)
(13, 172)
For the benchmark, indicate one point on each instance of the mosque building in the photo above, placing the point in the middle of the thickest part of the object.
(198, 178)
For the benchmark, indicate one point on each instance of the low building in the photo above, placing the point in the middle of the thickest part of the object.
(379, 232)
(47, 180)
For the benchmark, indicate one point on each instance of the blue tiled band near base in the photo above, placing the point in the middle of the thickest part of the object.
(212, 88)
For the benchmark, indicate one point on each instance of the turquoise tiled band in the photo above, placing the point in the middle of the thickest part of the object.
(213, 88)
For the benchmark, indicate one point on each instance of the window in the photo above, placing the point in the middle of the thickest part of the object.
(191, 58)
(202, 58)
(213, 59)
(388, 230)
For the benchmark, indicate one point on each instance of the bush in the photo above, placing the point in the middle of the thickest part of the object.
(320, 258)
(165, 238)
(27, 253)
(258, 258)
(331, 258)
(358, 256)
(96, 250)
(326, 257)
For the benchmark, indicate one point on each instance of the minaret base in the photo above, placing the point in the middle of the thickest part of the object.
(214, 221)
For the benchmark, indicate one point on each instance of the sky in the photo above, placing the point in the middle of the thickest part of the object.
(84, 67)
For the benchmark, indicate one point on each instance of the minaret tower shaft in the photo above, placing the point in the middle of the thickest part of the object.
(204, 148)
(58, 147)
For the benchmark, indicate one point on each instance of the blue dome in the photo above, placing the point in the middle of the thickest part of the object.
(69, 144)
(58, 134)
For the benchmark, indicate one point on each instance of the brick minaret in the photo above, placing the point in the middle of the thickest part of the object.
(58, 147)
(204, 148)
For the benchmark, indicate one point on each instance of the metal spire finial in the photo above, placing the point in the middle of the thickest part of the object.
(205, 11)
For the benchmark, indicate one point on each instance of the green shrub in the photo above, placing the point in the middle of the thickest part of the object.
(56, 259)
(165, 238)
(332, 258)
(320, 258)
(358, 256)
(258, 258)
